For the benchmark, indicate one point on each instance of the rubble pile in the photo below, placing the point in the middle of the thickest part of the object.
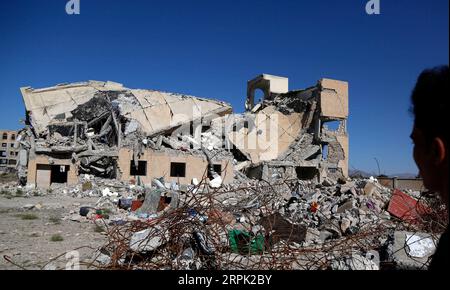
(340, 226)
(252, 224)
(89, 186)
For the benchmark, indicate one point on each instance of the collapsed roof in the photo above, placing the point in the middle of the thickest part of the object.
(155, 111)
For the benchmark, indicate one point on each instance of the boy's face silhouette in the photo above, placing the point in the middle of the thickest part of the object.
(431, 158)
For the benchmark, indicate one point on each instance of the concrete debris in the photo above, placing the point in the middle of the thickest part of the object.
(144, 242)
(412, 250)
(28, 206)
(216, 182)
(419, 247)
(355, 262)
(101, 258)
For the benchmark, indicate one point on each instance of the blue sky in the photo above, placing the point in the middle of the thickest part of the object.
(211, 48)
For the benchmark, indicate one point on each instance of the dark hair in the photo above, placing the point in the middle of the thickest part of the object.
(430, 103)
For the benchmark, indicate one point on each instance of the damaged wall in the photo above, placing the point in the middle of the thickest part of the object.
(266, 134)
(44, 170)
(158, 164)
(308, 144)
(333, 98)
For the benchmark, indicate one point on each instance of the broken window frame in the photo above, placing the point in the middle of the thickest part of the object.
(218, 168)
(181, 170)
(309, 173)
(141, 169)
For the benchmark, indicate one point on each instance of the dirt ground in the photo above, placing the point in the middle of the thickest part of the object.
(33, 237)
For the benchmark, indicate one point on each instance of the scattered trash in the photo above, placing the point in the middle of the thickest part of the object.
(406, 208)
(244, 243)
(125, 203)
(314, 207)
(84, 210)
(136, 204)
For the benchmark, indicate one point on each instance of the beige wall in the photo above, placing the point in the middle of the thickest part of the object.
(42, 178)
(158, 165)
(272, 135)
(343, 140)
(334, 101)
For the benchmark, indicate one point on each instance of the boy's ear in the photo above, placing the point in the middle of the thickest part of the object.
(439, 151)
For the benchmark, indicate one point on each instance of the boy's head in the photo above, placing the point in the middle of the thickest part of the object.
(431, 129)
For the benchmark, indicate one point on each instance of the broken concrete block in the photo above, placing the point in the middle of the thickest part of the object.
(131, 126)
(346, 206)
(106, 192)
(216, 182)
(345, 225)
(325, 235)
(420, 247)
(242, 165)
(28, 206)
(349, 186)
(412, 251)
(372, 189)
(328, 182)
(101, 258)
(358, 262)
(143, 242)
(312, 234)
(334, 209)
(76, 218)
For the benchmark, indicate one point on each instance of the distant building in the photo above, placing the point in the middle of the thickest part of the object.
(8, 150)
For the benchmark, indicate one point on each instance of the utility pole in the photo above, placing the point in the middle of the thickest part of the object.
(378, 164)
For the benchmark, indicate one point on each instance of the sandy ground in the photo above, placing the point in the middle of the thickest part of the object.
(28, 242)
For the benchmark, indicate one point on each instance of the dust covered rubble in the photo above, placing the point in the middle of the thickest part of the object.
(339, 226)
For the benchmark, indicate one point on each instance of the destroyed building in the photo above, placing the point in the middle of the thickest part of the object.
(311, 140)
(134, 135)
